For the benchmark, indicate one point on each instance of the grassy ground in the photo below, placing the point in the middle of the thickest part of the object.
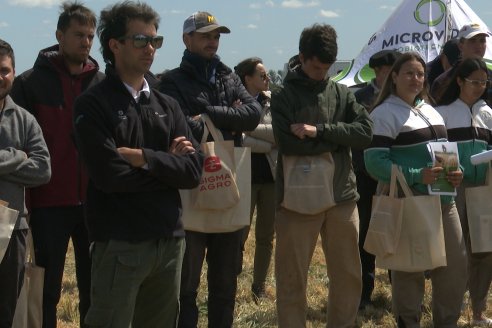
(248, 314)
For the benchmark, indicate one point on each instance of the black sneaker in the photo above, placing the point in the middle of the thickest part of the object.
(258, 292)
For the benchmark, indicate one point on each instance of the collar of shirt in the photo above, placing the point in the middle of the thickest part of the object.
(136, 94)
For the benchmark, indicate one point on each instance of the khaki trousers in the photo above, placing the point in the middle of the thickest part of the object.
(479, 264)
(448, 283)
(296, 239)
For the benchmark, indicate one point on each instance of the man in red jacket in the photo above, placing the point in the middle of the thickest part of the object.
(48, 90)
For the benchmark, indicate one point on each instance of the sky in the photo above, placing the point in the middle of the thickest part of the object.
(268, 29)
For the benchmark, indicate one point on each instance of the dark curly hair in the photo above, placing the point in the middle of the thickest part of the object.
(320, 41)
(113, 23)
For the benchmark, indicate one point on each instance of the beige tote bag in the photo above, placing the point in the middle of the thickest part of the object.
(228, 219)
(384, 230)
(218, 188)
(421, 246)
(308, 183)
(479, 212)
(8, 218)
(29, 309)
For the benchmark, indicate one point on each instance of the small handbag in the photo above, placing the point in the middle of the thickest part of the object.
(218, 188)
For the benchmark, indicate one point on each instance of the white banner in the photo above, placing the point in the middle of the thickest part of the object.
(414, 26)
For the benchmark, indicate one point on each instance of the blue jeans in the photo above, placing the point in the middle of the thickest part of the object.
(223, 258)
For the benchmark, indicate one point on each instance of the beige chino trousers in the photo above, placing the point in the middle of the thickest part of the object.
(296, 237)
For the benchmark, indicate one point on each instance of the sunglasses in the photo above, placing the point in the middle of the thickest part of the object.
(141, 41)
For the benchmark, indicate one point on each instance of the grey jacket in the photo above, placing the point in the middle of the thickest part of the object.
(24, 157)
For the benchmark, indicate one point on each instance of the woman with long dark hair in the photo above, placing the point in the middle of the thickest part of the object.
(468, 120)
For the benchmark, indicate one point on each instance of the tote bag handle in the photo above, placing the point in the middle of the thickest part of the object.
(209, 128)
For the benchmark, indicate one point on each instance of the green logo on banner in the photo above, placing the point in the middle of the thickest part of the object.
(432, 20)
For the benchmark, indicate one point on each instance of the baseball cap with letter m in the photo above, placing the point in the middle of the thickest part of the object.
(203, 22)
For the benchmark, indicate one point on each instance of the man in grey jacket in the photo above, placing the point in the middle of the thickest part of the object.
(24, 162)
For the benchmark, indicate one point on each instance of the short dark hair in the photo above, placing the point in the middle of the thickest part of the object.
(247, 67)
(113, 23)
(389, 87)
(6, 50)
(320, 41)
(75, 11)
(451, 90)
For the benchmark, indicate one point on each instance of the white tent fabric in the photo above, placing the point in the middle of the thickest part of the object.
(422, 26)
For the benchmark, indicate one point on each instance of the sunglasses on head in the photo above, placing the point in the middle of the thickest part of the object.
(141, 41)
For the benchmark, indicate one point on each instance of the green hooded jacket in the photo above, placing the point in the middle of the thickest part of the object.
(340, 121)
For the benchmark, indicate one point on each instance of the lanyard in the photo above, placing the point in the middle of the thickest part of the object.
(426, 120)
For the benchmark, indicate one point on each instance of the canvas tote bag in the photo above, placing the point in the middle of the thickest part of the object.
(479, 212)
(218, 188)
(384, 230)
(421, 246)
(227, 219)
(308, 183)
(29, 309)
(8, 218)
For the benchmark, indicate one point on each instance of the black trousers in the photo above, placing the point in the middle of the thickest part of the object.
(52, 228)
(12, 276)
(366, 186)
(223, 254)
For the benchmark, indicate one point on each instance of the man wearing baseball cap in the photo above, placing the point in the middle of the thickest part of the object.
(472, 43)
(202, 84)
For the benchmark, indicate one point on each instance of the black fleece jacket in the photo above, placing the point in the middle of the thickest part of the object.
(124, 202)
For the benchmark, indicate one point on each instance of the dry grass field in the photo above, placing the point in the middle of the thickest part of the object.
(250, 315)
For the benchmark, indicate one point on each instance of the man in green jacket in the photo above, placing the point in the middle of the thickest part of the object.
(315, 119)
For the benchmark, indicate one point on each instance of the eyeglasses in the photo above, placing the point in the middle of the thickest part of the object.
(141, 41)
(478, 83)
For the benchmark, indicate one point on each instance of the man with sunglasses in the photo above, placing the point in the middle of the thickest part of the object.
(139, 151)
(202, 84)
(48, 90)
